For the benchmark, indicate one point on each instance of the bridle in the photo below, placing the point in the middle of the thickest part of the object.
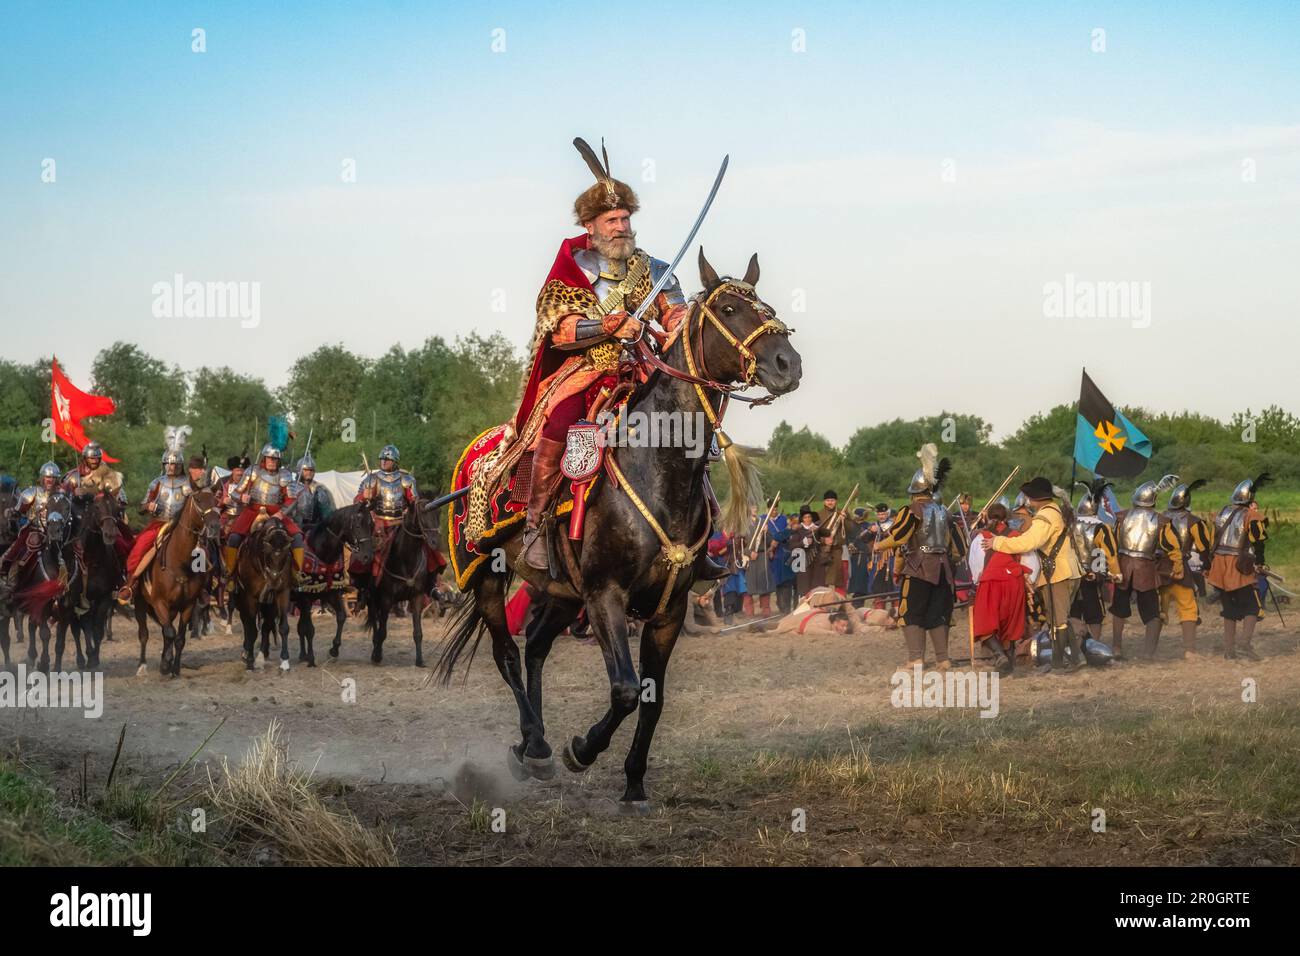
(202, 530)
(692, 332)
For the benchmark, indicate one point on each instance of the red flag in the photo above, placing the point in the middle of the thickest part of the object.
(70, 405)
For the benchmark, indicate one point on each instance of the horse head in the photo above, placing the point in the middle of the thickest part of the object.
(99, 515)
(737, 337)
(426, 519)
(202, 505)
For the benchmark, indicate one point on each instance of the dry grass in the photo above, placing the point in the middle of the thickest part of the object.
(269, 800)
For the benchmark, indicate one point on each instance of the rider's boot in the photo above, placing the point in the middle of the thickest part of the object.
(545, 482)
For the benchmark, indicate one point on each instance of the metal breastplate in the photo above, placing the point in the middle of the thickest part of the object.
(1230, 530)
(40, 508)
(170, 497)
(390, 494)
(1139, 532)
(1181, 519)
(267, 487)
(1083, 532)
(230, 502)
(932, 536)
(304, 502)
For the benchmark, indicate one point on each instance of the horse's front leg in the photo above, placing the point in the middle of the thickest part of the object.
(417, 628)
(248, 621)
(379, 606)
(306, 631)
(657, 641)
(282, 621)
(4, 638)
(340, 618)
(142, 628)
(186, 616)
(45, 644)
(607, 612)
(60, 642)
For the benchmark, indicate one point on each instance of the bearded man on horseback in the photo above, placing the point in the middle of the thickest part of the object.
(264, 490)
(583, 317)
(34, 502)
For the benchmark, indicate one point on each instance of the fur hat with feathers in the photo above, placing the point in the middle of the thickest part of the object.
(607, 194)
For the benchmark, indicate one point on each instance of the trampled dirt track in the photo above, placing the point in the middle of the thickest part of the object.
(756, 728)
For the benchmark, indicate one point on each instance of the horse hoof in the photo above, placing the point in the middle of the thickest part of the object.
(634, 808)
(419, 662)
(311, 662)
(284, 665)
(142, 670)
(570, 759)
(517, 769)
(334, 652)
(542, 768)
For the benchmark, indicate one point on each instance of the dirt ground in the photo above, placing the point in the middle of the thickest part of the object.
(759, 731)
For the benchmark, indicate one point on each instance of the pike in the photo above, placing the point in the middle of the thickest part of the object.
(837, 519)
(1001, 488)
(753, 542)
(641, 309)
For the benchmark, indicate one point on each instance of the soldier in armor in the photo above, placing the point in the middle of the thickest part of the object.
(312, 502)
(264, 489)
(390, 491)
(1094, 545)
(35, 503)
(1240, 531)
(583, 318)
(1146, 541)
(1049, 534)
(163, 501)
(928, 544)
(225, 488)
(91, 476)
(1195, 542)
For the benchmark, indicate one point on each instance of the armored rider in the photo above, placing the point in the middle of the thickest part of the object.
(390, 491)
(35, 503)
(312, 501)
(264, 489)
(163, 501)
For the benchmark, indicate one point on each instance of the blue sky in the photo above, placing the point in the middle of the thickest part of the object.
(225, 166)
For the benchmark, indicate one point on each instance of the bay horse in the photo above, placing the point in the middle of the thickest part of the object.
(349, 526)
(641, 537)
(169, 587)
(264, 577)
(98, 537)
(405, 577)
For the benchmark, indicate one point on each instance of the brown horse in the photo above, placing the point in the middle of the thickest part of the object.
(264, 578)
(641, 536)
(169, 588)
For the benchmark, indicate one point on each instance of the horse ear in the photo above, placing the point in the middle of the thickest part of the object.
(708, 278)
(751, 274)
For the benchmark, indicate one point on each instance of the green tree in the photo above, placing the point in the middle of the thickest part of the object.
(323, 387)
(146, 390)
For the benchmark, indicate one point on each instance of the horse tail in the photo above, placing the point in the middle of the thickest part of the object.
(464, 631)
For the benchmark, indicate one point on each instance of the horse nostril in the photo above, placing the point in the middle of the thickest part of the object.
(782, 363)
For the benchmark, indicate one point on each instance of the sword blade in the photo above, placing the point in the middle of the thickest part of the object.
(699, 221)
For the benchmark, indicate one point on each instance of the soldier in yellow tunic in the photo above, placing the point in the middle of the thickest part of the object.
(929, 543)
(1195, 541)
(1048, 534)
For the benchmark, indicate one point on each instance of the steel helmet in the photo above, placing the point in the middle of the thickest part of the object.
(1144, 496)
(92, 451)
(391, 453)
(50, 470)
(306, 461)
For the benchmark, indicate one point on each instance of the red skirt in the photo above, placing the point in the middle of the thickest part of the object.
(999, 608)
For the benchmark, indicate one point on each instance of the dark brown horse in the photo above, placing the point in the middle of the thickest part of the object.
(92, 594)
(638, 554)
(41, 587)
(8, 533)
(264, 579)
(405, 577)
(349, 526)
(169, 588)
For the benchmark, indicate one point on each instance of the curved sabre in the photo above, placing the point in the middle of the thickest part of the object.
(699, 221)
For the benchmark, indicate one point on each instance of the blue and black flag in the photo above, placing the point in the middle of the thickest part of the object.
(1105, 442)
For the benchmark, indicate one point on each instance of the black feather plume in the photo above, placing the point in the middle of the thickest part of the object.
(1198, 483)
(1263, 479)
(589, 155)
(941, 472)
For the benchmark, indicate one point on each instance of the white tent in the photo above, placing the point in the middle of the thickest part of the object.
(342, 485)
